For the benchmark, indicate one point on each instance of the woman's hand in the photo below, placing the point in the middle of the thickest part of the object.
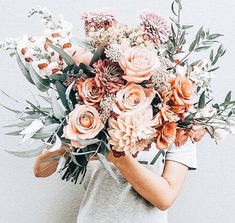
(46, 163)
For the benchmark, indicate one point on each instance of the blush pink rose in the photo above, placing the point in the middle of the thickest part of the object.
(82, 55)
(133, 98)
(84, 122)
(138, 64)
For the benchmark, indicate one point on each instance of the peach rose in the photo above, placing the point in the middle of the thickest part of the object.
(183, 89)
(196, 133)
(82, 56)
(138, 64)
(181, 137)
(89, 92)
(84, 122)
(133, 98)
(166, 135)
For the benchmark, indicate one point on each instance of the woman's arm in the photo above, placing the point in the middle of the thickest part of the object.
(46, 163)
(161, 191)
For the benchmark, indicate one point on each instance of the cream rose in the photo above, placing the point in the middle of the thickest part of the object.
(82, 56)
(84, 122)
(133, 98)
(138, 64)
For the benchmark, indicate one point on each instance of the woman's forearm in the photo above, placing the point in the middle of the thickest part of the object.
(161, 191)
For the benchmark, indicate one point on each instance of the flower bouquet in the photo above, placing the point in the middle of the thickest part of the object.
(122, 88)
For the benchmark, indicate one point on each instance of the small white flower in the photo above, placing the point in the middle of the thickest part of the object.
(181, 70)
(221, 134)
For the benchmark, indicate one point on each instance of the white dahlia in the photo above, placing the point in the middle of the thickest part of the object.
(131, 134)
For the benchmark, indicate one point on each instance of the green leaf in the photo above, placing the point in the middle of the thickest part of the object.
(98, 53)
(202, 48)
(24, 69)
(211, 55)
(15, 133)
(107, 166)
(27, 153)
(42, 84)
(67, 93)
(20, 124)
(58, 77)
(199, 35)
(187, 26)
(173, 8)
(68, 60)
(87, 142)
(202, 100)
(58, 112)
(214, 36)
(193, 45)
(213, 69)
(228, 97)
(61, 91)
(46, 131)
(10, 109)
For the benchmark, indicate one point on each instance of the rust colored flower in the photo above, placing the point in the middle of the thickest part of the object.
(196, 133)
(89, 92)
(182, 88)
(181, 137)
(109, 75)
(166, 135)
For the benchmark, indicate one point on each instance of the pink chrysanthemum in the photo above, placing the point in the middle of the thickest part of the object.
(109, 75)
(155, 27)
(98, 19)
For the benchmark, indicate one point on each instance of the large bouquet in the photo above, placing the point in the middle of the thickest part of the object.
(121, 89)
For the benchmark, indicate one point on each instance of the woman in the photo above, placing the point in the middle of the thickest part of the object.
(145, 191)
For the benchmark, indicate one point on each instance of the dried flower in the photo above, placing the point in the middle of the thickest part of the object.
(109, 75)
(155, 27)
(98, 19)
(89, 92)
(131, 134)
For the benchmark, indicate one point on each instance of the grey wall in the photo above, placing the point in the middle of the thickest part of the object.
(208, 195)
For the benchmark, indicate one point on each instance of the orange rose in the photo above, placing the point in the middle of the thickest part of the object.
(182, 88)
(89, 92)
(84, 122)
(196, 133)
(181, 137)
(166, 135)
(138, 64)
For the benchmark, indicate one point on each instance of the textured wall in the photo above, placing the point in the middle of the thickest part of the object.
(208, 195)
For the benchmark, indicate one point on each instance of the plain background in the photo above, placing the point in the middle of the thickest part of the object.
(208, 195)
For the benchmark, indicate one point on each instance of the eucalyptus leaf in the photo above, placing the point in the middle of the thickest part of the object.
(24, 69)
(58, 112)
(98, 54)
(15, 133)
(42, 84)
(228, 97)
(107, 166)
(68, 60)
(87, 142)
(61, 91)
(214, 36)
(202, 48)
(27, 153)
(20, 124)
(33, 127)
(202, 100)
(46, 131)
(10, 109)
(67, 93)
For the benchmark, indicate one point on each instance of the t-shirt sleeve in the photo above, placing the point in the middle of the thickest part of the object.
(186, 155)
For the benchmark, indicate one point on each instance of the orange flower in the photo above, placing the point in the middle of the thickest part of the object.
(89, 92)
(182, 88)
(166, 135)
(196, 133)
(181, 137)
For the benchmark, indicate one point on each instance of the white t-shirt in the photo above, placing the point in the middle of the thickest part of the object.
(106, 201)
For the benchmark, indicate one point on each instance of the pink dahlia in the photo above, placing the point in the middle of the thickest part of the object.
(155, 27)
(109, 75)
